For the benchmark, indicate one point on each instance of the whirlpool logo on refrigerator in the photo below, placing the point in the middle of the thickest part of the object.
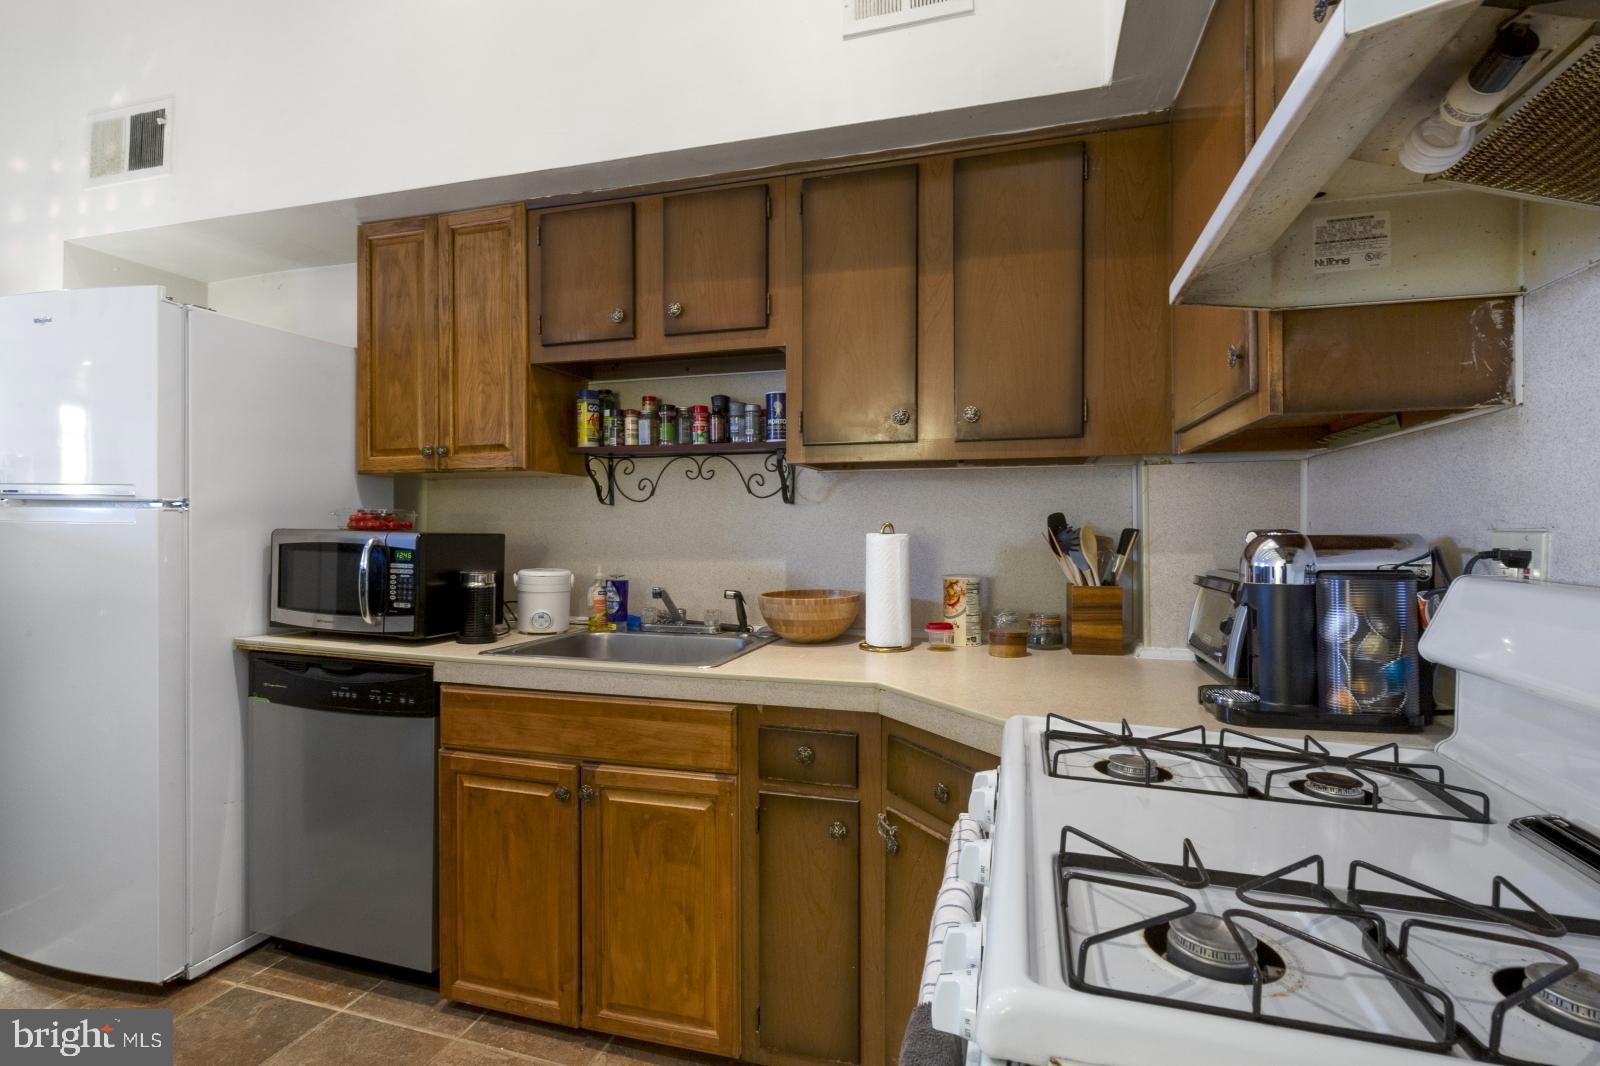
(133, 1037)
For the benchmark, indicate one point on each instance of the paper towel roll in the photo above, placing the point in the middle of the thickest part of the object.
(888, 588)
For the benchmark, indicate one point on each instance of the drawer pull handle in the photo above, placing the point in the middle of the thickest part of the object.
(804, 755)
(941, 793)
(674, 309)
(838, 830)
(585, 793)
(563, 794)
(889, 832)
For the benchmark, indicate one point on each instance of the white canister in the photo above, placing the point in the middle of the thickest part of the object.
(544, 600)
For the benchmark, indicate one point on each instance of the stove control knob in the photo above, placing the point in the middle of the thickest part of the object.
(955, 1004)
(980, 805)
(974, 864)
(963, 947)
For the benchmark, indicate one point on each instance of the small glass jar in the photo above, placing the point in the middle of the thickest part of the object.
(630, 427)
(941, 636)
(667, 431)
(1044, 631)
(1005, 618)
(649, 405)
(647, 428)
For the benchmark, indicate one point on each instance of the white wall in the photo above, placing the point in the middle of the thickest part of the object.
(1533, 466)
(85, 268)
(318, 302)
(302, 101)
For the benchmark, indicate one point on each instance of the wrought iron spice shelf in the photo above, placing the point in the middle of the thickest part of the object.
(611, 469)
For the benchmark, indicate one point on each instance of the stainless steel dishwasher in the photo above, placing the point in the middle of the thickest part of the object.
(340, 792)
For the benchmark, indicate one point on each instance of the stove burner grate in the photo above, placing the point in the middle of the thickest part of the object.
(1333, 787)
(1127, 758)
(1204, 945)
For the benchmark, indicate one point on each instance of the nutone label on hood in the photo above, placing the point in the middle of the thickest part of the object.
(1350, 242)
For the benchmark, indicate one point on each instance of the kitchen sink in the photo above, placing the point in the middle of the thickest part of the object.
(703, 650)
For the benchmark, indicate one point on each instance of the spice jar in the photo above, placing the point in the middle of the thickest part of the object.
(699, 424)
(630, 427)
(1044, 631)
(668, 430)
(718, 423)
(1008, 643)
(647, 427)
(650, 405)
(610, 419)
(941, 636)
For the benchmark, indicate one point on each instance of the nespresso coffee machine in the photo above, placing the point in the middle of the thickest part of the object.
(1317, 631)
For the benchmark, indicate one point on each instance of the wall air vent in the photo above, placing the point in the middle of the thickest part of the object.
(1547, 142)
(869, 16)
(128, 143)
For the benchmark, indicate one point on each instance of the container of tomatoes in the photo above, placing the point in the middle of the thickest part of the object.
(377, 520)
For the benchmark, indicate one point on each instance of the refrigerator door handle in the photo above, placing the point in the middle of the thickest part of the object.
(364, 579)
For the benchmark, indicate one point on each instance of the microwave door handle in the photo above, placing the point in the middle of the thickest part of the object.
(364, 581)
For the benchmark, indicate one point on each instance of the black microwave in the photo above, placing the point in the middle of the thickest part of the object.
(405, 585)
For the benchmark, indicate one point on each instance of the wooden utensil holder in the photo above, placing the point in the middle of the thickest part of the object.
(1095, 619)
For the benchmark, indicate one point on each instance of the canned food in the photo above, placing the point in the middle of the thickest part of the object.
(777, 417)
(588, 418)
(963, 608)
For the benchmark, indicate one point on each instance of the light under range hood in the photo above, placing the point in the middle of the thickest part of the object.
(1325, 172)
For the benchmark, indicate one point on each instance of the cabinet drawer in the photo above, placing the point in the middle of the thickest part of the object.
(932, 784)
(810, 756)
(665, 733)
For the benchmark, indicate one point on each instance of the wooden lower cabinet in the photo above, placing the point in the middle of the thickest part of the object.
(660, 937)
(809, 896)
(508, 884)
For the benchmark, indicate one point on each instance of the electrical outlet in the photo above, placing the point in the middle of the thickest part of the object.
(1536, 541)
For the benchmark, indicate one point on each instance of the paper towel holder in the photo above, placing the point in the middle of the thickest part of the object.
(887, 527)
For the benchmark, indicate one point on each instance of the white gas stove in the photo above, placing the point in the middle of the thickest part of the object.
(1226, 899)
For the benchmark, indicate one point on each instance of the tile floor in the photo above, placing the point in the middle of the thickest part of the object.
(273, 1006)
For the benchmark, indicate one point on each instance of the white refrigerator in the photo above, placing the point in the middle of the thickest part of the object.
(147, 450)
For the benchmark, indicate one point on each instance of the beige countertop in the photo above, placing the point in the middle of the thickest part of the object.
(966, 695)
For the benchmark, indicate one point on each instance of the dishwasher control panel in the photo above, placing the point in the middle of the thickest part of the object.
(343, 685)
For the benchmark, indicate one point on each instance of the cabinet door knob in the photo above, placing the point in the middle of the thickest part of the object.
(900, 417)
(674, 309)
(444, 450)
(941, 793)
(1235, 355)
(804, 755)
(427, 451)
(618, 314)
(585, 793)
(563, 793)
(889, 832)
(970, 413)
(838, 830)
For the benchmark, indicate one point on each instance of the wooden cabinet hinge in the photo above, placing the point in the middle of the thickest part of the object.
(769, 205)
(1086, 164)
(538, 233)
(1086, 410)
(769, 305)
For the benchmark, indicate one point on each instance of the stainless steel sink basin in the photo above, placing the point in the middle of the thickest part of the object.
(703, 650)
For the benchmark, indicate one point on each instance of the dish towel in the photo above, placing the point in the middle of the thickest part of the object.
(957, 902)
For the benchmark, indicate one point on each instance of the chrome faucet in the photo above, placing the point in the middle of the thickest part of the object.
(675, 615)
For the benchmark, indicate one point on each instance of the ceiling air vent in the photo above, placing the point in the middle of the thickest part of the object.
(1547, 144)
(129, 142)
(869, 16)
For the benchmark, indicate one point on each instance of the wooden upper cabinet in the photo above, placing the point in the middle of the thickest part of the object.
(660, 907)
(1018, 276)
(809, 900)
(858, 306)
(484, 337)
(397, 346)
(1286, 32)
(714, 260)
(585, 273)
(1214, 350)
(508, 884)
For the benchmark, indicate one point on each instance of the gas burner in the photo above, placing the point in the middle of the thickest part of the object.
(1573, 1002)
(1202, 944)
(1133, 766)
(1333, 786)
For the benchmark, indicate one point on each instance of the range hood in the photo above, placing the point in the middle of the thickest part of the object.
(1322, 212)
